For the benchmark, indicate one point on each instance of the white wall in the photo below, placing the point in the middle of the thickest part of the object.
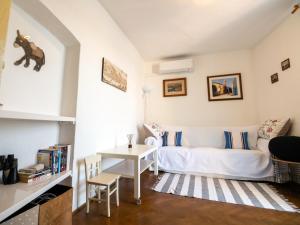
(195, 109)
(282, 98)
(23, 89)
(104, 114)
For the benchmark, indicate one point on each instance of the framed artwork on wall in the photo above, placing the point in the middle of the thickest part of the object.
(285, 64)
(274, 78)
(174, 87)
(225, 87)
(113, 76)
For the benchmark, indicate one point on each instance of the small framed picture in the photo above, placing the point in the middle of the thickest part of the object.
(285, 64)
(274, 78)
(225, 87)
(113, 76)
(174, 87)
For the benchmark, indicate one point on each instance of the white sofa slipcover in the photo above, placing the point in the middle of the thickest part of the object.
(203, 153)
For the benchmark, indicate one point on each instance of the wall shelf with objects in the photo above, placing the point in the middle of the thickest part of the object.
(52, 90)
(15, 196)
(37, 108)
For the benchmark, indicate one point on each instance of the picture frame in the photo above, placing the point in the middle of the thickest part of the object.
(113, 76)
(174, 87)
(225, 87)
(285, 64)
(274, 78)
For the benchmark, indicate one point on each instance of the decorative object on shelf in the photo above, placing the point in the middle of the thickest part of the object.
(113, 76)
(174, 87)
(34, 173)
(10, 170)
(274, 78)
(130, 137)
(31, 52)
(285, 64)
(225, 87)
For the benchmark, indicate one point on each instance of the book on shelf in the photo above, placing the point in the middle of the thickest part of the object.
(56, 158)
(65, 155)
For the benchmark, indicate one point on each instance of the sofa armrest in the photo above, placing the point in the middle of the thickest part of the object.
(153, 141)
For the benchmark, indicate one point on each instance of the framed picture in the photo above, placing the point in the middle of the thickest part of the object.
(113, 76)
(225, 87)
(285, 64)
(274, 78)
(174, 87)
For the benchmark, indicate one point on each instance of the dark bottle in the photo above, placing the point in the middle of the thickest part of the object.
(10, 170)
(2, 161)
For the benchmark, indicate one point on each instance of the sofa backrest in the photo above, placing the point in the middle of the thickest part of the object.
(210, 136)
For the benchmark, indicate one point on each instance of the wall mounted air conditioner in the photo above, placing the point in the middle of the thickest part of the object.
(176, 66)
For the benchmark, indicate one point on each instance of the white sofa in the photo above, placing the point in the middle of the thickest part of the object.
(203, 153)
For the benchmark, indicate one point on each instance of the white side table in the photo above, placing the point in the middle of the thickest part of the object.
(134, 163)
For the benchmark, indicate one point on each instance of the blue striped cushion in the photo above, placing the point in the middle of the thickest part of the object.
(176, 140)
(228, 140)
(165, 138)
(236, 140)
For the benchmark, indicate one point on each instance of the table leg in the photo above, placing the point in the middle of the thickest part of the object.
(137, 181)
(155, 162)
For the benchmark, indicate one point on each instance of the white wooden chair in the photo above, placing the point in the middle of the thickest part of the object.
(97, 181)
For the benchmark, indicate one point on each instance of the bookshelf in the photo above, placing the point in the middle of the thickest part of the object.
(13, 197)
(29, 118)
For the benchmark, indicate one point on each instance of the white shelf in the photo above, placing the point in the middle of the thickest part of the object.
(15, 196)
(126, 167)
(5, 114)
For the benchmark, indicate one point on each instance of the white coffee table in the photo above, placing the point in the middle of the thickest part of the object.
(134, 163)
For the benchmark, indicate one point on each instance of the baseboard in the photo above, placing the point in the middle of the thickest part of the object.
(79, 208)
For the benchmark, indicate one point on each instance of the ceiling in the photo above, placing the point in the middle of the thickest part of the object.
(174, 28)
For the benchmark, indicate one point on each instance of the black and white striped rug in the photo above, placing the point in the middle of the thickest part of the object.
(231, 191)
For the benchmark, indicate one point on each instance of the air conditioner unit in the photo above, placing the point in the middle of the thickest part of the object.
(176, 66)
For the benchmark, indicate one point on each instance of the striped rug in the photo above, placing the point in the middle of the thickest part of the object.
(231, 191)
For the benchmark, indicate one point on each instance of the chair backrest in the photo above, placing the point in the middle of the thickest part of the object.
(92, 166)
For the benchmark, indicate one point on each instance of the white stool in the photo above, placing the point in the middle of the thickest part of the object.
(101, 181)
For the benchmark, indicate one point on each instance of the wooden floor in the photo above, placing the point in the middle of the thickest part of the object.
(167, 209)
